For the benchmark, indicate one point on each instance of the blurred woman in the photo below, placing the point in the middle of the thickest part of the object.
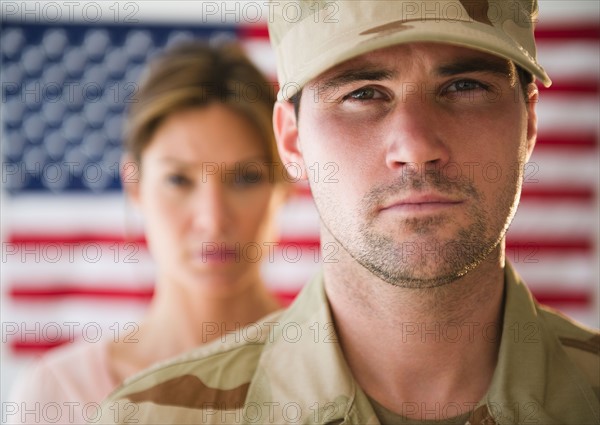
(202, 167)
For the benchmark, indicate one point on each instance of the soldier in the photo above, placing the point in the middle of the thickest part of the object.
(417, 316)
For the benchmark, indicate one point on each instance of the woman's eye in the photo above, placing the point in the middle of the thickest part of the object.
(177, 180)
(243, 180)
(247, 179)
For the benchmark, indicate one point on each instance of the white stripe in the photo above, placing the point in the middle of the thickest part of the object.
(280, 268)
(83, 313)
(299, 218)
(567, 13)
(197, 12)
(587, 317)
(557, 272)
(570, 60)
(539, 221)
(66, 214)
(562, 167)
(552, 12)
(94, 265)
(573, 113)
(291, 276)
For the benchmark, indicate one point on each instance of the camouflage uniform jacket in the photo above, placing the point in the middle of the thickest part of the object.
(290, 369)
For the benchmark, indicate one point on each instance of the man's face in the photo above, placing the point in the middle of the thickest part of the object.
(415, 157)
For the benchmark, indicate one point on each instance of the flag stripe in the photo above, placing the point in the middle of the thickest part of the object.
(568, 87)
(575, 32)
(585, 31)
(571, 140)
(25, 291)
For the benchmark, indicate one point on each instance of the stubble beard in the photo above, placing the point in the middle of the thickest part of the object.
(424, 259)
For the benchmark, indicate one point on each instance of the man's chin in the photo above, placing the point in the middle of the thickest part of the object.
(420, 274)
(422, 281)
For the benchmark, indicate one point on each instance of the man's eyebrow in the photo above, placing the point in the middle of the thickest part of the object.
(352, 75)
(461, 66)
(479, 64)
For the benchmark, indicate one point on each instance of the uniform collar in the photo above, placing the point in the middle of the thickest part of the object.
(302, 370)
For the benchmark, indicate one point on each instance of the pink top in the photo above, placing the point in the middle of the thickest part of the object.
(69, 382)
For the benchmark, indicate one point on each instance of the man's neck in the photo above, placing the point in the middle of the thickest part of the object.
(428, 348)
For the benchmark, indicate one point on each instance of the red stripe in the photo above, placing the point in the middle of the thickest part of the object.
(302, 190)
(532, 248)
(571, 87)
(74, 239)
(81, 239)
(285, 297)
(40, 241)
(534, 192)
(586, 31)
(29, 348)
(580, 299)
(253, 31)
(24, 291)
(568, 140)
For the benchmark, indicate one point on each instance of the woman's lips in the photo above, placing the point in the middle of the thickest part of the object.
(217, 253)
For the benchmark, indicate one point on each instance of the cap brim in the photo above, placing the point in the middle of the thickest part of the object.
(346, 46)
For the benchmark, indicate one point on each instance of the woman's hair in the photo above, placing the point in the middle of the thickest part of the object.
(196, 74)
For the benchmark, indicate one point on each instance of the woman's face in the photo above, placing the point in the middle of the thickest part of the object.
(207, 195)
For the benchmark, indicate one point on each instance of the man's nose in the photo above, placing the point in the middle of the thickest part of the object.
(416, 136)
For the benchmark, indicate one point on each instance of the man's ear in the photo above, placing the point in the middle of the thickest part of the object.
(130, 178)
(531, 104)
(288, 140)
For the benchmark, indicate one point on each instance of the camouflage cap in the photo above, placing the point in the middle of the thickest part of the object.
(311, 36)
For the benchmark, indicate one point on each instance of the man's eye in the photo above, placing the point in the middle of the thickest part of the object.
(365, 93)
(465, 85)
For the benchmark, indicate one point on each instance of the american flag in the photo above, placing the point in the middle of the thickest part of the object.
(74, 263)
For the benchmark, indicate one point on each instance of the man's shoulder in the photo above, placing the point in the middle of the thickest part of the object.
(212, 377)
(581, 343)
(570, 332)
